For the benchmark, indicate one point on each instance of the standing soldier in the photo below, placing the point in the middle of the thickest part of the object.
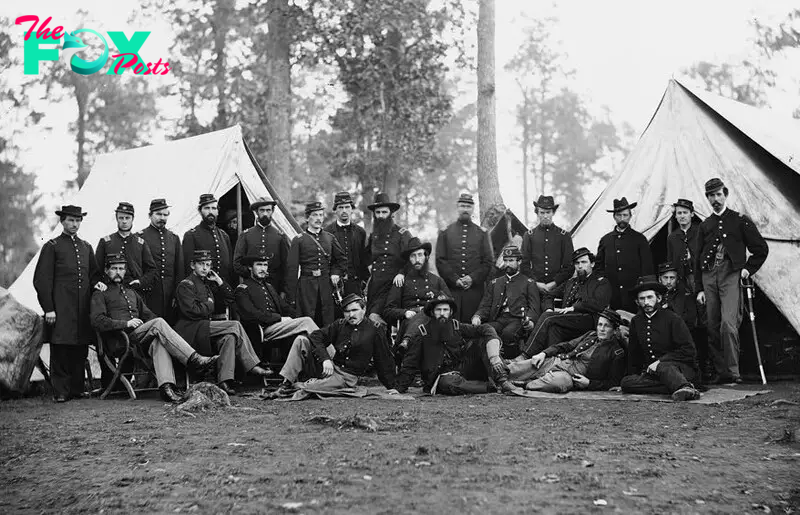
(141, 267)
(464, 259)
(165, 247)
(263, 239)
(720, 261)
(353, 240)
(317, 258)
(680, 242)
(208, 236)
(547, 249)
(385, 248)
(623, 256)
(63, 280)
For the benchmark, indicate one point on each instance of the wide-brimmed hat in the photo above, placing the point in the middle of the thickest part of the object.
(465, 198)
(545, 202)
(157, 204)
(313, 206)
(414, 244)
(714, 185)
(206, 198)
(682, 202)
(343, 198)
(666, 266)
(648, 282)
(512, 251)
(621, 204)
(349, 299)
(254, 258)
(441, 298)
(125, 208)
(612, 316)
(579, 253)
(202, 255)
(71, 211)
(382, 200)
(115, 259)
(261, 202)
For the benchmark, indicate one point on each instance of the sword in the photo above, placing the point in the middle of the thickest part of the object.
(749, 288)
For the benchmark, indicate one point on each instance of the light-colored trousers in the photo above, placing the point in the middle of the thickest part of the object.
(301, 359)
(233, 345)
(554, 375)
(165, 344)
(289, 327)
(724, 311)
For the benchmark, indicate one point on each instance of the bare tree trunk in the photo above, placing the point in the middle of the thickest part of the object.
(82, 98)
(279, 100)
(488, 183)
(220, 24)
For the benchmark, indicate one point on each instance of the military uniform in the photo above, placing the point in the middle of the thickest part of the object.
(681, 301)
(623, 257)
(139, 260)
(215, 240)
(165, 247)
(663, 337)
(266, 316)
(454, 361)
(588, 298)
(265, 241)
(353, 240)
(507, 302)
(680, 250)
(720, 254)
(419, 287)
(384, 251)
(315, 258)
(63, 279)
(464, 249)
(546, 254)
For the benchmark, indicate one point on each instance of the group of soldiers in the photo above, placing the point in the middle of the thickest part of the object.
(339, 302)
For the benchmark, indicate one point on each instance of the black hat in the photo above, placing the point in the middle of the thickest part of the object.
(343, 198)
(714, 185)
(414, 244)
(206, 198)
(682, 202)
(201, 255)
(125, 208)
(612, 316)
(115, 259)
(583, 251)
(254, 258)
(648, 282)
(465, 198)
(157, 204)
(545, 202)
(621, 205)
(263, 201)
(71, 211)
(441, 298)
(512, 251)
(313, 206)
(382, 200)
(349, 299)
(665, 267)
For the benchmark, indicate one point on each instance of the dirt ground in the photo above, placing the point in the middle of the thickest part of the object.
(477, 454)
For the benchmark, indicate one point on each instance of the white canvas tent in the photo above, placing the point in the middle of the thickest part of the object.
(179, 171)
(694, 136)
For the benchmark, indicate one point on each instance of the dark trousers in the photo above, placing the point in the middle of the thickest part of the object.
(67, 370)
(669, 376)
(471, 375)
(507, 328)
(552, 329)
(467, 302)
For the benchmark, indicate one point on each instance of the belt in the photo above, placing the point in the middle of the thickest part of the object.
(313, 273)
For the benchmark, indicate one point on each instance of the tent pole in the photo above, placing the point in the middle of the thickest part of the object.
(239, 208)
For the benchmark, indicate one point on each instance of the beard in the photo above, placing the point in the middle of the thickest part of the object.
(510, 270)
(210, 219)
(441, 330)
(421, 268)
(383, 225)
(265, 220)
(622, 225)
(582, 275)
(160, 223)
(464, 217)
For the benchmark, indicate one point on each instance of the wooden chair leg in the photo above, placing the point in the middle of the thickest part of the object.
(117, 368)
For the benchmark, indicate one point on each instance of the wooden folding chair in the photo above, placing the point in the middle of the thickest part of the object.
(115, 364)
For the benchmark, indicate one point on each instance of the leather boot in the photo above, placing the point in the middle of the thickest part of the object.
(262, 371)
(227, 387)
(169, 393)
(201, 364)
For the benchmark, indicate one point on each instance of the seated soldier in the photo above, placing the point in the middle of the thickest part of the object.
(584, 295)
(334, 356)
(677, 297)
(453, 358)
(510, 303)
(195, 298)
(406, 302)
(661, 353)
(120, 308)
(265, 315)
(593, 361)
